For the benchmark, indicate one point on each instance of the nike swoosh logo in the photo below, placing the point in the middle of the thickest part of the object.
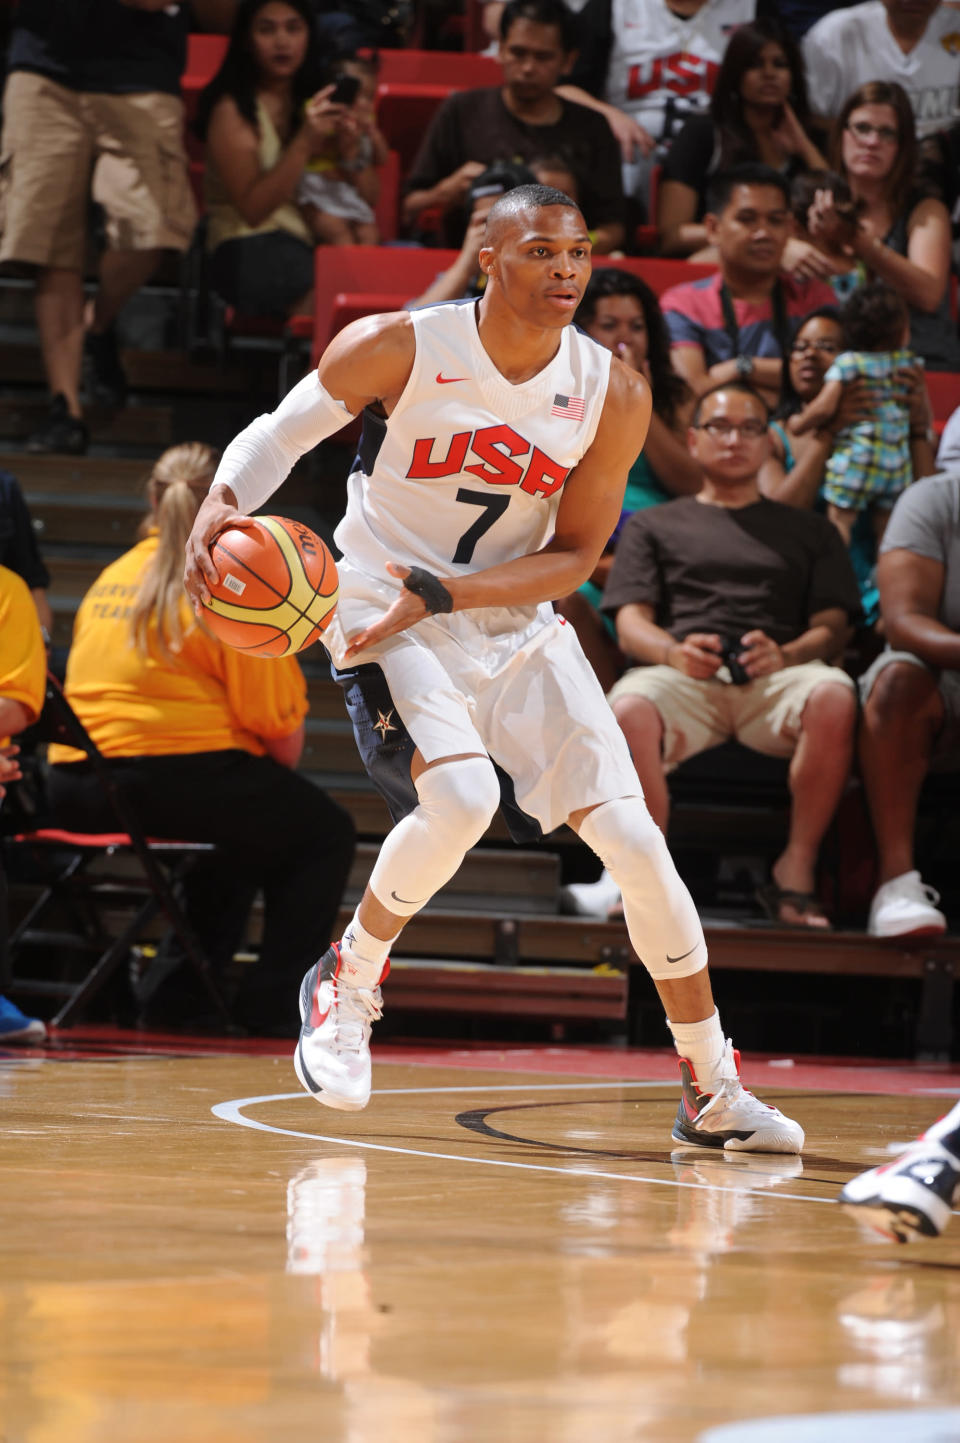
(443, 380)
(317, 1018)
(406, 901)
(683, 954)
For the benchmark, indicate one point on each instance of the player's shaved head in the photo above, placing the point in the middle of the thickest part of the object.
(518, 205)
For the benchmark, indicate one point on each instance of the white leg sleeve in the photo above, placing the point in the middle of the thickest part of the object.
(457, 801)
(661, 919)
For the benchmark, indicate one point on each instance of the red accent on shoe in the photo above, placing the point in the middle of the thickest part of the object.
(386, 972)
(684, 1062)
(318, 1018)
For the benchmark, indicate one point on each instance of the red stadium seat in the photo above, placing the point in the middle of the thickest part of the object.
(659, 274)
(455, 70)
(355, 281)
(943, 388)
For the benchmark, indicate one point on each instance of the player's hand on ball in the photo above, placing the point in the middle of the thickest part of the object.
(215, 515)
(405, 611)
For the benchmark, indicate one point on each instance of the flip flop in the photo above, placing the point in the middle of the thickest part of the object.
(772, 898)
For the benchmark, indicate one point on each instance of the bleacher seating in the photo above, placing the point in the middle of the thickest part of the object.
(499, 918)
(943, 388)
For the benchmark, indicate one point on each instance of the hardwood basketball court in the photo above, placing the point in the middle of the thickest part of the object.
(504, 1246)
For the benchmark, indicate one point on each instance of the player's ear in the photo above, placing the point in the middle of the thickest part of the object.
(486, 257)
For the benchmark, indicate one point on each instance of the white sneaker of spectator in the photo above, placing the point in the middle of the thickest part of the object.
(591, 899)
(905, 907)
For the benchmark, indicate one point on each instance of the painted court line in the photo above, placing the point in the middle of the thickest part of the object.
(232, 1111)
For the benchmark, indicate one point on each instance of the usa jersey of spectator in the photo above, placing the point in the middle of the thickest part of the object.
(659, 67)
(852, 47)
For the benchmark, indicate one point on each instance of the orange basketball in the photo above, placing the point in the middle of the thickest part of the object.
(277, 589)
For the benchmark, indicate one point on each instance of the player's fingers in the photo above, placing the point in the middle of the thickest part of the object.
(395, 569)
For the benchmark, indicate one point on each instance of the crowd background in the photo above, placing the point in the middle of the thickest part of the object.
(798, 163)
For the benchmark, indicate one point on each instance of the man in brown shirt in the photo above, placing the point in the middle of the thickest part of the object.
(522, 120)
(733, 607)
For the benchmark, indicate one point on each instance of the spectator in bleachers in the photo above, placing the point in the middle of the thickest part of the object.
(731, 607)
(758, 112)
(92, 109)
(464, 278)
(264, 116)
(910, 42)
(648, 65)
(911, 694)
(794, 471)
(339, 189)
(869, 464)
(522, 118)
(621, 312)
(740, 323)
(23, 671)
(899, 233)
(19, 551)
(203, 742)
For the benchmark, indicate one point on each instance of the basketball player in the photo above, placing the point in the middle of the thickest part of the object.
(496, 444)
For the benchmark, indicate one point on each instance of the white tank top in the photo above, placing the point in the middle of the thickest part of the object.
(662, 69)
(468, 470)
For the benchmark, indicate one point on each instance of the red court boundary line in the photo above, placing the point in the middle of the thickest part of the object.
(86, 1044)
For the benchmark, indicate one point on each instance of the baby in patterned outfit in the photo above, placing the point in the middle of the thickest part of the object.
(870, 462)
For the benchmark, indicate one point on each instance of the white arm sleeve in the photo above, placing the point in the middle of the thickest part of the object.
(258, 460)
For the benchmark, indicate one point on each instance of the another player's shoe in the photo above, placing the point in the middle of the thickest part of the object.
(911, 1197)
(731, 1118)
(339, 1002)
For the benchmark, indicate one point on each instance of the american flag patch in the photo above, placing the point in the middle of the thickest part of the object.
(569, 407)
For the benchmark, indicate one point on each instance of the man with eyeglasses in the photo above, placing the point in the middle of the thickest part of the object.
(914, 42)
(734, 608)
(739, 324)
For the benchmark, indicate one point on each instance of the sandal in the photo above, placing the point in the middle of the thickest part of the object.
(773, 899)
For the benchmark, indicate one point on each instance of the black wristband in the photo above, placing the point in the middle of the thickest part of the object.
(430, 590)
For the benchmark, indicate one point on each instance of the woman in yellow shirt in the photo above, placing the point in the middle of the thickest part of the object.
(203, 741)
(23, 677)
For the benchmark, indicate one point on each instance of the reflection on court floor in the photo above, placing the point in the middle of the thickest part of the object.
(503, 1246)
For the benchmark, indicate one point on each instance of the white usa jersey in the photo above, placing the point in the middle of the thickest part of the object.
(662, 68)
(848, 48)
(468, 470)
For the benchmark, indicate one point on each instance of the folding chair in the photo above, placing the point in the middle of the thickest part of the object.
(69, 883)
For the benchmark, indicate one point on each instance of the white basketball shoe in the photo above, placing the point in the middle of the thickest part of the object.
(731, 1118)
(913, 1196)
(339, 1002)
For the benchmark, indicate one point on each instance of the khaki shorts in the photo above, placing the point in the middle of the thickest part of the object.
(61, 146)
(764, 715)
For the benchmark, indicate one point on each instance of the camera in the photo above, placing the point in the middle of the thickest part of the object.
(346, 90)
(498, 178)
(731, 651)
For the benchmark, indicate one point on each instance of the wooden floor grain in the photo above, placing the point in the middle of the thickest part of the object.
(480, 1255)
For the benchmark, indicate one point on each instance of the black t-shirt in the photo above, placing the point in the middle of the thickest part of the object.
(714, 568)
(476, 125)
(101, 45)
(690, 158)
(18, 543)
